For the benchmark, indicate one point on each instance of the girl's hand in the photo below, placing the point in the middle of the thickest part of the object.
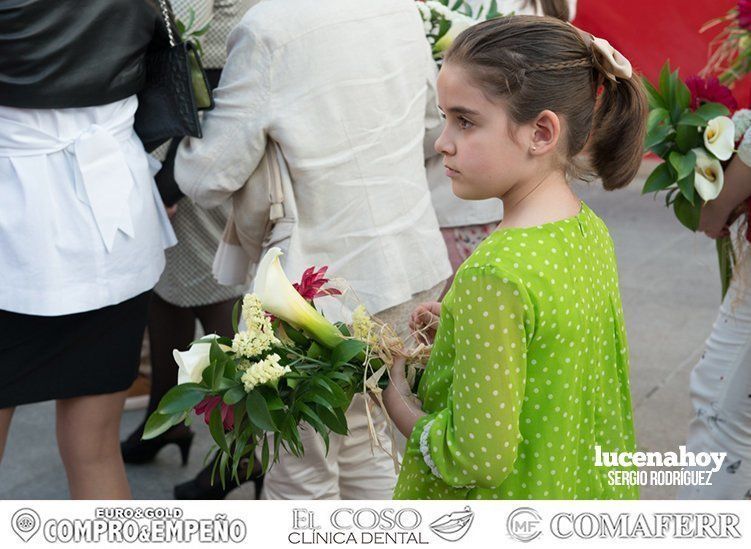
(424, 321)
(398, 377)
(398, 384)
(714, 220)
(401, 405)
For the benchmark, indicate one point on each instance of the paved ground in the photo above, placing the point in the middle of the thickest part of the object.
(670, 291)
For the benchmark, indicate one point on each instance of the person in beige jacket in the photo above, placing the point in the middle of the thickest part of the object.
(342, 87)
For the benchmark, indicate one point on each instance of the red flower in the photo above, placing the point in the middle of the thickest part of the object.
(710, 91)
(744, 14)
(312, 282)
(206, 406)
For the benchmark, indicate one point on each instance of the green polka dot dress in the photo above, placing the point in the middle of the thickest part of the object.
(528, 373)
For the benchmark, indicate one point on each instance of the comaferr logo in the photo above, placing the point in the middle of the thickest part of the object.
(524, 524)
(453, 526)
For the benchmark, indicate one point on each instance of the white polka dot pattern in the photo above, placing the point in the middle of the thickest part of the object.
(529, 371)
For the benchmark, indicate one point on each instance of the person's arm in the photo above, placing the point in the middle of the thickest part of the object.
(210, 169)
(399, 401)
(474, 441)
(715, 214)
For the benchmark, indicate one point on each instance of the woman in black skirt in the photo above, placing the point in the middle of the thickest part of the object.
(82, 229)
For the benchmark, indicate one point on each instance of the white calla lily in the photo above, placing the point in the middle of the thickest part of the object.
(719, 137)
(459, 23)
(709, 177)
(192, 363)
(280, 298)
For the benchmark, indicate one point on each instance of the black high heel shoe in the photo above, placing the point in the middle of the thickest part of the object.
(200, 487)
(135, 450)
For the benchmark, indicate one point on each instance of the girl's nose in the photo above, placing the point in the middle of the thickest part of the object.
(443, 144)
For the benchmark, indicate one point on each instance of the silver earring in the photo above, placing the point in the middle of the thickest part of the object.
(534, 148)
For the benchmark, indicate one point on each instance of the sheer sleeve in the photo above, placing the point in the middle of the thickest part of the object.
(474, 441)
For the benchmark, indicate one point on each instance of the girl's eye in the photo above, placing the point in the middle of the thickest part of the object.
(464, 123)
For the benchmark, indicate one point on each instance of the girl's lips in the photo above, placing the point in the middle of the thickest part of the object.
(451, 172)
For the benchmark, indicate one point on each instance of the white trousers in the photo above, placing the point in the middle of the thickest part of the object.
(351, 470)
(721, 395)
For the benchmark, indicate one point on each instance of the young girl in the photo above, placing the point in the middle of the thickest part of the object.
(529, 368)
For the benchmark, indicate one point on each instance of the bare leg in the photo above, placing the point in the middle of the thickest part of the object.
(88, 431)
(5, 416)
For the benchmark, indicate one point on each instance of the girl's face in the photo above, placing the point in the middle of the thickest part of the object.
(480, 157)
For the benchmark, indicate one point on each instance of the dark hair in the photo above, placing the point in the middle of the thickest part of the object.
(537, 63)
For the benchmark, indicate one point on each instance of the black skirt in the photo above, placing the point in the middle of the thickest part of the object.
(57, 357)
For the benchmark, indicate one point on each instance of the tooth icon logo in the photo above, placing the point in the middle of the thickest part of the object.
(454, 526)
(25, 523)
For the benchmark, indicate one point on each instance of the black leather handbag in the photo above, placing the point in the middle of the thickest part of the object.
(176, 89)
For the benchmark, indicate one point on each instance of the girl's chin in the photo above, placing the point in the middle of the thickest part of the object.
(466, 191)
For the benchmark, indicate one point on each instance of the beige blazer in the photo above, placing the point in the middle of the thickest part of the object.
(342, 87)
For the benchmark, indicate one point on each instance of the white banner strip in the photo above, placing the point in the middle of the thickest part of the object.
(272, 524)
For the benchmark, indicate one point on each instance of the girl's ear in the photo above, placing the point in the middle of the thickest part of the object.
(546, 130)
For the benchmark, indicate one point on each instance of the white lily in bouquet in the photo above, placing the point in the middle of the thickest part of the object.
(690, 128)
(444, 20)
(289, 366)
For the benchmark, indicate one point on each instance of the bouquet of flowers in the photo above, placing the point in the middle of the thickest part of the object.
(730, 51)
(288, 364)
(444, 20)
(690, 129)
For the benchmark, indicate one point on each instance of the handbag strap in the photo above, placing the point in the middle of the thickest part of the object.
(167, 22)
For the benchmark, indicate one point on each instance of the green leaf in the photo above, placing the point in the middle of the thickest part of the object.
(321, 400)
(236, 315)
(215, 353)
(258, 411)
(655, 99)
(265, 453)
(316, 351)
(686, 185)
(216, 428)
(493, 10)
(683, 164)
(346, 351)
(295, 335)
(666, 85)
(656, 117)
(689, 118)
(687, 138)
(657, 136)
(271, 396)
(292, 383)
(344, 329)
(339, 396)
(332, 421)
(223, 470)
(708, 111)
(687, 213)
(234, 395)
(181, 398)
(726, 260)
(660, 178)
(661, 150)
(160, 423)
(312, 418)
(682, 93)
(670, 196)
